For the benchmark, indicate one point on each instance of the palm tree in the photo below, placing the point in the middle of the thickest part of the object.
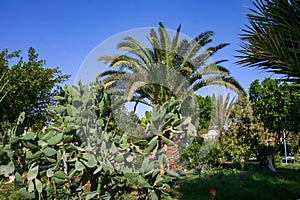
(221, 112)
(140, 66)
(272, 40)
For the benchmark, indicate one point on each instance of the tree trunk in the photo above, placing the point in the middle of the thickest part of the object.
(270, 165)
(296, 155)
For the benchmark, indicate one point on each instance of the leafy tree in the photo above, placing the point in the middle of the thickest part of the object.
(272, 40)
(271, 43)
(295, 146)
(205, 111)
(245, 135)
(31, 88)
(139, 63)
(277, 105)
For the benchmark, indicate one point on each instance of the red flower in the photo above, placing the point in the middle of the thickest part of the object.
(213, 192)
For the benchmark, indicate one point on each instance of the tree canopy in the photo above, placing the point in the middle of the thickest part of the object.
(30, 88)
(278, 105)
(245, 134)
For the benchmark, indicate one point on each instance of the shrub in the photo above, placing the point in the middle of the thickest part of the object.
(202, 154)
(82, 156)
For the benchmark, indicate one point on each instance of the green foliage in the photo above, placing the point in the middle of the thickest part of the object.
(271, 41)
(205, 111)
(213, 111)
(254, 182)
(31, 88)
(221, 111)
(82, 156)
(11, 156)
(146, 66)
(7, 191)
(278, 107)
(241, 140)
(147, 119)
(270, 101)
(295, 146)
(167, 124)
(277, 160)
(191, 155)
(202, 154)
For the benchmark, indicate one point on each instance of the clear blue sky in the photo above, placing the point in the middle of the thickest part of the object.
(63, 32)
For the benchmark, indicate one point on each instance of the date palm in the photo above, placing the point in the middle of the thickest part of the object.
(140, 65)
(272, 40)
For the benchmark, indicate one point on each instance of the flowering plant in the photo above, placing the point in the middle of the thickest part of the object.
(213, 193)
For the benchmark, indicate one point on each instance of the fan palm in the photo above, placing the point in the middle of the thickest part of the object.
(140, 66)
(272, 40)
(221, 112)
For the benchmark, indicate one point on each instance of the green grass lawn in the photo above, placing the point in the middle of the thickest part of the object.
(253, 182)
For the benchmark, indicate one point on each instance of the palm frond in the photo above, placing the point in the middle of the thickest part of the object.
(213, 50)
(133, 49)
(221, 112)
(132, 88)
(202, 58)
(175, 40)
(204, 38)
(139, 46)
(127, 61)
(194, 48)
(110, 73)
(183, 47)
(227, 82)
(197, 43)
(155, 66)
(271, 41)
(153, 39)
(107, 59)
(266, 50)
(165, 43)
(211, 69)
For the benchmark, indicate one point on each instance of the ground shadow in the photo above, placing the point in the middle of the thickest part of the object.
(246, 184)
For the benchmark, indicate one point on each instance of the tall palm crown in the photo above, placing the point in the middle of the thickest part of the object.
(222, 109)
(272, 40)
(175, 54)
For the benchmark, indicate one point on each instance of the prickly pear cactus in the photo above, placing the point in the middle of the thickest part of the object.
(82, 155)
